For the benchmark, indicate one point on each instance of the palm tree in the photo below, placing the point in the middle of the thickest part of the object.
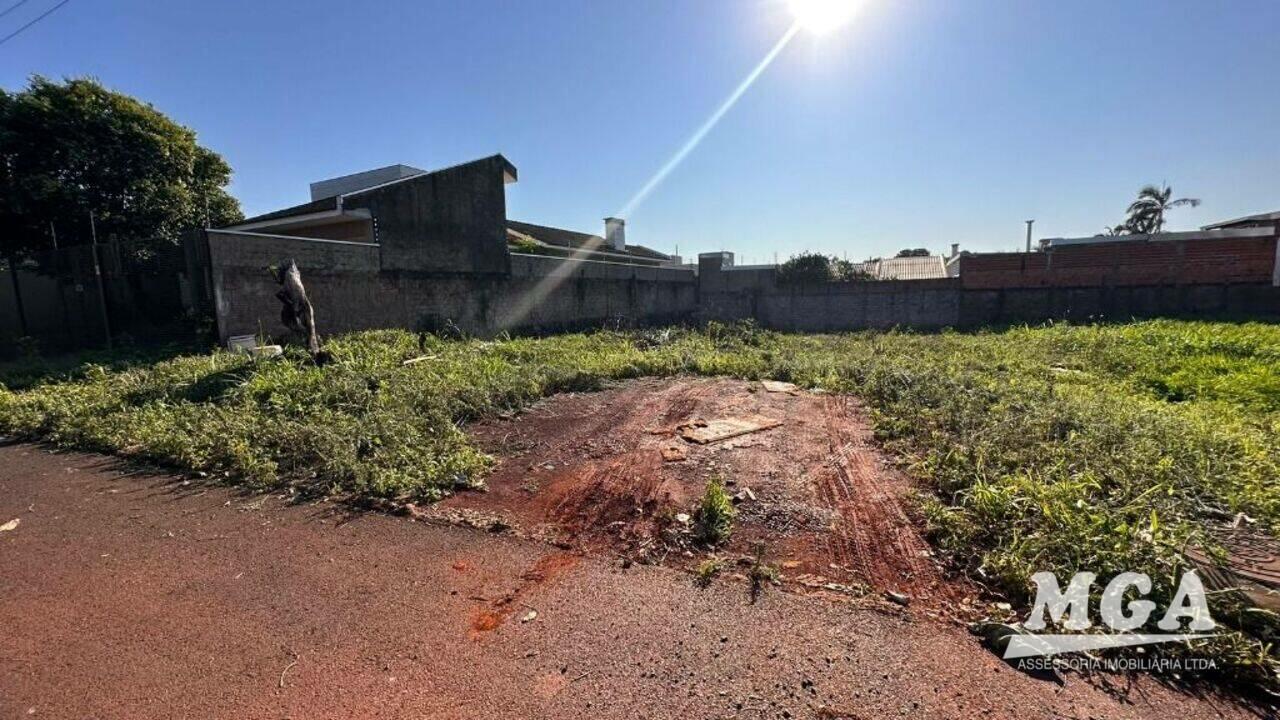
(1146, 214)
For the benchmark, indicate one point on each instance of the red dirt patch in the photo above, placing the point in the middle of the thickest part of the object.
(548, 569)
(611, 471)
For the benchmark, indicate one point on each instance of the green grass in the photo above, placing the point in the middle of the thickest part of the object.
(1105, 448)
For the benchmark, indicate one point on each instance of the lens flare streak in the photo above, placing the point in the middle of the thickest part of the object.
(710, 124)
(517, 314)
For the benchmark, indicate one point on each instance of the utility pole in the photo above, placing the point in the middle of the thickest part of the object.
(1029, 224)
(97, 271)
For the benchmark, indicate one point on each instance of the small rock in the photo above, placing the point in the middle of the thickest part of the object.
(11, 525)
(529, 616)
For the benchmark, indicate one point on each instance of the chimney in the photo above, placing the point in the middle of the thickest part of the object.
(615, 233)
(955, 249)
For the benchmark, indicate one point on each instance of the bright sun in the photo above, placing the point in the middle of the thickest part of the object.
(822, 16)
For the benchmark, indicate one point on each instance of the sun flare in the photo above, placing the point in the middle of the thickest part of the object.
(822, 16)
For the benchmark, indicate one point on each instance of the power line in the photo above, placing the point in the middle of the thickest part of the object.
(39, 17)
(13, 7)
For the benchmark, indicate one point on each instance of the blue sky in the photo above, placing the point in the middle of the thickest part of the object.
(920, 123)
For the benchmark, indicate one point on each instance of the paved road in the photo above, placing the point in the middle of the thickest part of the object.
(133, 597)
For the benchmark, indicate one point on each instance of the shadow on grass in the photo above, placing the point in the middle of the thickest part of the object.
(28, 372)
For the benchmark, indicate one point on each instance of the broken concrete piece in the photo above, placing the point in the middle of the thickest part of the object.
(1252, 566)
(242, 343)
(775, 386)
(704, 432)
(674, 453)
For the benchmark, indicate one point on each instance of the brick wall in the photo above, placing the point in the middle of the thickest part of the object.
(1127, 263)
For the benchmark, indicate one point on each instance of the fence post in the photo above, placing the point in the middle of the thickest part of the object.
(102, 292)
(17, 295)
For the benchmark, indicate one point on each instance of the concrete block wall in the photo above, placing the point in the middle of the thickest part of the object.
(350, 291)
(727, 293)
(451, 220)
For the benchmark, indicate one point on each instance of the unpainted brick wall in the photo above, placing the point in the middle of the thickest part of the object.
(1127, 263)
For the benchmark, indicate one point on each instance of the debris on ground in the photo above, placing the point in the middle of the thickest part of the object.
(674, 453)
(296, 312)
(1251, 566)
(420, 358)
(529, 616)
(709, 431)
(11, 525)
(897, 598)
(996, 636)
(775, 386)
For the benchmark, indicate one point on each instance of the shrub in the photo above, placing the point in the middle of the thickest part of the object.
(713, 521)
(808, 268)
(707, 571)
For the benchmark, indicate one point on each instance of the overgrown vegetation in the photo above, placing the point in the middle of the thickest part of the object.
(1108, 448)
(527, 245)
(807, 268)
(713, 521)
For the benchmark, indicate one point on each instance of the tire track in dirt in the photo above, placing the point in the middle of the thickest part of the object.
(872, 536)
(587, 471)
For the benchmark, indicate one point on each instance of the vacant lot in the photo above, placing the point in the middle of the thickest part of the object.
(1108, 448)
(612, 471)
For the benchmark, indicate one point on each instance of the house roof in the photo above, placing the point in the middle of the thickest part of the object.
(330, 204)
(558, 236)
(1261, 218)
(315, 206)
(904, 268)
(574, 240)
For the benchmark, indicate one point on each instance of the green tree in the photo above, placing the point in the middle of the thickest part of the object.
(807, 267)
(913, 252)
(74, 147)
(1146, 214)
